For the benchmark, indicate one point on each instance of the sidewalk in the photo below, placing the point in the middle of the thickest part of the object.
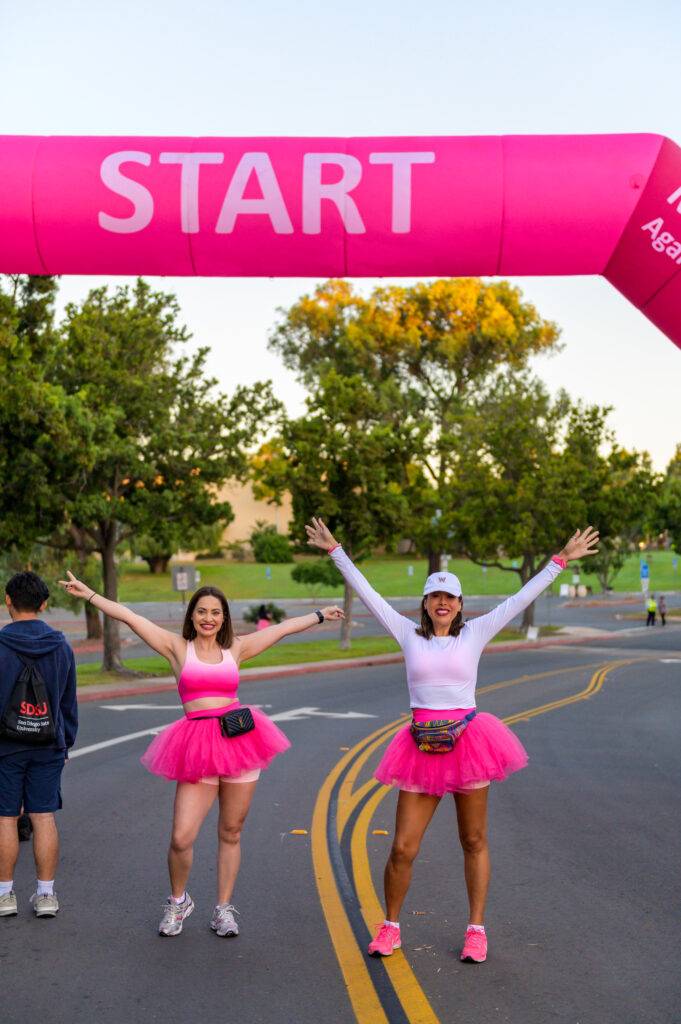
(167, 684)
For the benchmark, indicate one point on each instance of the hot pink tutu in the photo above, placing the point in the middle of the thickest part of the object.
(194, 748)
(486, 751)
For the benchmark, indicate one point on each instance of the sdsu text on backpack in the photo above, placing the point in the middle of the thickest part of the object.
(27, 717)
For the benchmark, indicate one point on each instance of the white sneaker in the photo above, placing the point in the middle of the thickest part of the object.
(8, 904)
(45, 904)
(223, 920)
(174, 915)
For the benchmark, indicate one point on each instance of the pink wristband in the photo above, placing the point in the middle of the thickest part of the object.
(559, 561)
(333, 548)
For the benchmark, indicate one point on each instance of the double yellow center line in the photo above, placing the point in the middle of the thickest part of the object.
(382, 991)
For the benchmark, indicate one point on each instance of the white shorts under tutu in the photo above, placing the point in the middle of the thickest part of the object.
(487, 751)
(194, 748)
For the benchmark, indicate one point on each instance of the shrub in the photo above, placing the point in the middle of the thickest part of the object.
(316, 575)
(272, 547)
(275, 613)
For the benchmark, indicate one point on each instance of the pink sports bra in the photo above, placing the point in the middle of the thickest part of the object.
(198, 679)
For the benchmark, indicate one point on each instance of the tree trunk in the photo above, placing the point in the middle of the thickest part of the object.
(93, 623)
(111, 661)
(158, 563)
(346, 623)
(526, 574)
(434, 558)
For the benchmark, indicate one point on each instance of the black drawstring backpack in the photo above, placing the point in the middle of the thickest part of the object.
(27, 717)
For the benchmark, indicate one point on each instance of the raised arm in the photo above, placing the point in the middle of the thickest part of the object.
(255, 643)
(160, 640)
(399, 626)
(580, 545)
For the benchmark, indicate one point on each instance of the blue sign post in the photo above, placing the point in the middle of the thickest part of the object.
(645, 576)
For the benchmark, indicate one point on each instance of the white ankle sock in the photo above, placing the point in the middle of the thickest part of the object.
(393, 924)
(477, 928)
(45, 888)
(178, 899)
(6, 888)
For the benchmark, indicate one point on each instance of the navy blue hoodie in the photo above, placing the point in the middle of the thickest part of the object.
(34, 639)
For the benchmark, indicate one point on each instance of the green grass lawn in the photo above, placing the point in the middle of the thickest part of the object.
(280, 654)
(390, 576)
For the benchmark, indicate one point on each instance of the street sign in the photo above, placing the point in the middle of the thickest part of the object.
(645, 571)
(644, 584)
(183, 577)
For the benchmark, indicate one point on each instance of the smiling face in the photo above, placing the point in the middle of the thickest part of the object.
(208, 616)
(442, 609)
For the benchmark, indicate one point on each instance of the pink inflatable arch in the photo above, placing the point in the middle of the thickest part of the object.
(418, 206)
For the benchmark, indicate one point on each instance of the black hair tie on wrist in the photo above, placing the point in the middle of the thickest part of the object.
(319, 615)
(93, 594)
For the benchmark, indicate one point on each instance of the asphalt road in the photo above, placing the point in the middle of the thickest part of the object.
(584, 909)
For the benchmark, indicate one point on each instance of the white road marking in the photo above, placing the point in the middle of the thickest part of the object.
(141, 707)
(296, 714)
(670, 661)
(117, 739)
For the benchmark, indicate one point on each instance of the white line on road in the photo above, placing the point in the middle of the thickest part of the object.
(141, 707)
(117, 739)
(296, 714)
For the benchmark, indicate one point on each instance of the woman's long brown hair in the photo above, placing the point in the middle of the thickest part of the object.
(225, 634)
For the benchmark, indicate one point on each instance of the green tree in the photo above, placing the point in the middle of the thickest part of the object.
(530, 470)
(436, 342)
(345, 460)
(37, 418)
(163, 442)
(667, 514)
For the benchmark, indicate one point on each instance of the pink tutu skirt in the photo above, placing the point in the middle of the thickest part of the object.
(486, 751)
(194, 748)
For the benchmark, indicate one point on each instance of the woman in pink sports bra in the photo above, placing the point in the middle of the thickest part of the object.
(192, 751)
(441, 658)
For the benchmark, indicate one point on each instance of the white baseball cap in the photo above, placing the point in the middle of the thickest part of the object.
(444, 581)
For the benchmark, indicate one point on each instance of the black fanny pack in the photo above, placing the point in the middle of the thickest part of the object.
(233, 723)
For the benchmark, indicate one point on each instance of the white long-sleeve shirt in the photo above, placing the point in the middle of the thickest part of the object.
(442, 673)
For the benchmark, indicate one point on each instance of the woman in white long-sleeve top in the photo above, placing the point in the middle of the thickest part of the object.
(449, 747)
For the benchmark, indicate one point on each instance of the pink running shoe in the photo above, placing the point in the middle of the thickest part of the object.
(474, 947)
(386, 941)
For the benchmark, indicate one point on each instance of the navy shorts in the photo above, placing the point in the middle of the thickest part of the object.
(32, 779)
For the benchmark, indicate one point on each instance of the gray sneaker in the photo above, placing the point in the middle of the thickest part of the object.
(174, 916)
(45, 904)
(223, 920)
(8, 904)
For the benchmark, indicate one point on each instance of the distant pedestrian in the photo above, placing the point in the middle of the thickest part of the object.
(31, 767)
(652, 608)
(662, 609)
(264, 619)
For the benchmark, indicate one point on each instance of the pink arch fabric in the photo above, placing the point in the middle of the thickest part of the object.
(359, 207)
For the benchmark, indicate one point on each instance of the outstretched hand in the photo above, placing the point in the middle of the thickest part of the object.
(581, 543)
(319, 535)
(74, 587)
(332, 612)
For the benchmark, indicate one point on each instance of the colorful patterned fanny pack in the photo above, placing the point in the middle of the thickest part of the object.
(438, 737)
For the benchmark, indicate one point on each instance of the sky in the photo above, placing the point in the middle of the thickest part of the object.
(224, 68)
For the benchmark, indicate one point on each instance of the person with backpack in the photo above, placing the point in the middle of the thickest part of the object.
(38, 725)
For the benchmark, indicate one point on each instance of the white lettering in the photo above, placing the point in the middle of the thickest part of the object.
(189, 184)
(272, 203)
(137, 194)
(653, 226)
(674, 196)
(674, 250)
(662, 241)
(401, 164)
(338, 192)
